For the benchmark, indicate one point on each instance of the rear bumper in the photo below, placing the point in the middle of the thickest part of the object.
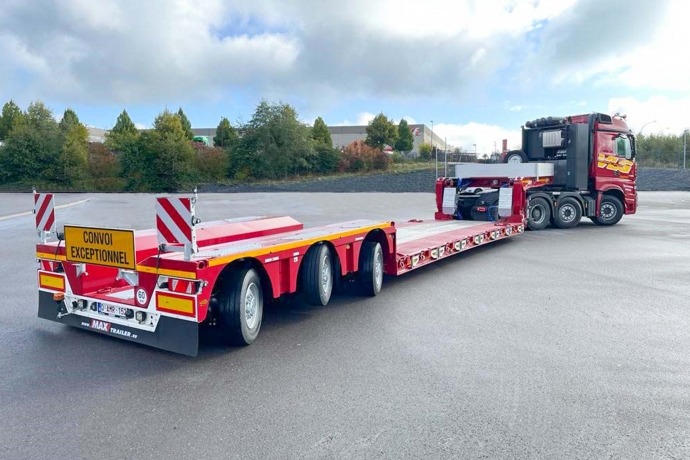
(171, 334)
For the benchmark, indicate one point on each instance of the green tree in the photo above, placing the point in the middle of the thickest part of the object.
(405, 140)
(425, 151)
(381, 131)
(186, 124)
(169, 152)
(320, 132)
(69, 120)
(32, 147)
(11, 116)
(72, 163)
(273, 144)
(659, 150)
(326, 159)
(123, 135)
(226, 135)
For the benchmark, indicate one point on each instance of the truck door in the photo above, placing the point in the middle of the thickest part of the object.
(614, 165)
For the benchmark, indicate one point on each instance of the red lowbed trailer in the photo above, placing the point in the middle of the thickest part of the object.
(163, 287)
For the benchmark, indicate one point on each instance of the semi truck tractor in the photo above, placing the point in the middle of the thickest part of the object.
(586, 165)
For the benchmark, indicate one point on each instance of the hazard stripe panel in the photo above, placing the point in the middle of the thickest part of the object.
(178, 304)
(51, 281)
(44, 209)
(174, 220)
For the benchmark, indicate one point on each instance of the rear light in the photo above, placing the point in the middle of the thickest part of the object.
(140, 316)
(181, 286)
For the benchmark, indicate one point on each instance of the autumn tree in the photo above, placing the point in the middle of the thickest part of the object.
(381, 131)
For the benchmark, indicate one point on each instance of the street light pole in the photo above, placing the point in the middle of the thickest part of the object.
(643, 126)
(432, 147)
(685, 146)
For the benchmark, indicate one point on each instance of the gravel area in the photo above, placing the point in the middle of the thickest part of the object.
(649, 179)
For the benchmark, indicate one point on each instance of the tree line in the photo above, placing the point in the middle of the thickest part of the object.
(39, 151)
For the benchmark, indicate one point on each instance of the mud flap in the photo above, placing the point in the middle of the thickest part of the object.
(171, 334)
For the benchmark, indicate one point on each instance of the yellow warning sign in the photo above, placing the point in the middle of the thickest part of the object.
(100, 246)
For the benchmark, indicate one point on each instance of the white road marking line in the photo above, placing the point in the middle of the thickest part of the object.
(28, 213)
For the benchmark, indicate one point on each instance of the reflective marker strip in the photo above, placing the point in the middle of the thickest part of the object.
(180, 305)
(174, 220)
(44, 208)
(51, 281)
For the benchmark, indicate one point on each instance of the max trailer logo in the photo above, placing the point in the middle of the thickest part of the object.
(100, 325)
(105, 326)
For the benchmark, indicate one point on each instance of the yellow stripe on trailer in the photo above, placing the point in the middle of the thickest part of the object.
(180, 305)
(50, 281)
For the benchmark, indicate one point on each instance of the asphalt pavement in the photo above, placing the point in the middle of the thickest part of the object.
(553, 344)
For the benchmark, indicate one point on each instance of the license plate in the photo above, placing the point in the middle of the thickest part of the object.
(111, 310)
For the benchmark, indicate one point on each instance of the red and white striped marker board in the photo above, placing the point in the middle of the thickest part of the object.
(44, 209)
(175, 221)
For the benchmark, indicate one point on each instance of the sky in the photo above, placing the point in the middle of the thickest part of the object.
(478, 68)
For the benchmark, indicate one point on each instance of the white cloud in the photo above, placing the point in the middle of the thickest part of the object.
(364, 118)
(654, 115)
(485, 137)
(126, 51)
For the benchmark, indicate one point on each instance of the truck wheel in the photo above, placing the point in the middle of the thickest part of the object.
(241, 307)
(568, 213)
(317, 275)
(539, 214)
(515, 156)
(610, 211)
(370, 274)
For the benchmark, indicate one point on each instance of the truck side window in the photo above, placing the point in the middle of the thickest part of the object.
(623, 147)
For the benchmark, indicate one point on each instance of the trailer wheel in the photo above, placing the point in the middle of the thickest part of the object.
(241, 307)
(370, 274)
(515, 156)
(317, 275)
(610, 211)
(568, 213)
(539, 214)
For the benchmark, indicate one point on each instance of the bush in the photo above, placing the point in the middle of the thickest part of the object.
(211, 163)
(360, 157)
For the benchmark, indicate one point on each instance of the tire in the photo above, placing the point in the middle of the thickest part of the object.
(241, 307)
(317, 275)
(370, 274)
(568, 213)
(538, 214)
(610, 211)
(515, 156)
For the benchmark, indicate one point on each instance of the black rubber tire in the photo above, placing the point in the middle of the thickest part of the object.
(317, 275)
(538, 214)
(610, 211)
(370, 274)
(568, 213)
(515, 154)
(232, 322)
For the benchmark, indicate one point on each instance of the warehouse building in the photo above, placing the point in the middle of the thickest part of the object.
(422, 134)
